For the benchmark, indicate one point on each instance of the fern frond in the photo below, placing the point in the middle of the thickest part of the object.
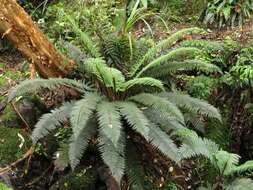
(163, 44)
(142, 81)
(109, 121)
(204, 44)
(187, 65)
(159, 103)
(193, 145)
(134, 117)
(164, 143)
(90, 45)
(29, 86)
(172, 55)
(240, 183)
(82, 111)
(163, 119)
(113, 155)
(193, 105)
(48, 122)
(225, 162)
(243, 167)
(79, 143)
(109, 76)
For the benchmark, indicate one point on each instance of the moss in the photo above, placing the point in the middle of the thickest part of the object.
(13, 144)
(82, 179)
(4, 187)
(8, 117)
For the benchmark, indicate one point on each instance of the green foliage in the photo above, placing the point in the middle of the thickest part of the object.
(201, 86)
(4, 187)
(14, 143)
(116, 108)
(221, 13)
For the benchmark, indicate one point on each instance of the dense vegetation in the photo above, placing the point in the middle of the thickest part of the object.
(160, 97)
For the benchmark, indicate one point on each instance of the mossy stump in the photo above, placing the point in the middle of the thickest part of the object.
(13, 144)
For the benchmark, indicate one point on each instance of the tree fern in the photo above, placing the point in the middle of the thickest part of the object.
(135, 117)
(159, 103)
(29, 86)
(109, 121)
(82, 111)
(79, 143)
(178, 52)
(192, 104)
(48, 122)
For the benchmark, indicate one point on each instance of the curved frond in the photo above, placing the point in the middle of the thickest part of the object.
(29, 86)
(163, 44)
(78, 144)
(243, 167)
(49, 121)
(82, 111)
(192, 104)
(113, 155)
(164, 143)
(109, 121)
(187, 65)
(135, 117)
(159, 103)
(193, 145)
(225, 162)
(142, 81)
(172, 55)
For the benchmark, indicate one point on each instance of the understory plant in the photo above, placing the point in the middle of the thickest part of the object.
(227, 172)
(231, 13)
(125, 96)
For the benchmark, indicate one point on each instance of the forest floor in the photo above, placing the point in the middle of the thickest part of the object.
(15, 63)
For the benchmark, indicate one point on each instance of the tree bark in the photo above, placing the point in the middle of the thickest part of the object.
(18, 27)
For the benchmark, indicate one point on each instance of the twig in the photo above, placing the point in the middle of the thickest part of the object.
(8, 168)
(21, 117)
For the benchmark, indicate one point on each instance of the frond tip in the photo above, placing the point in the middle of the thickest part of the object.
(29, 86)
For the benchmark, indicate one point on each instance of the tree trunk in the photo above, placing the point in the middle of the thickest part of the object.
(18, 27)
